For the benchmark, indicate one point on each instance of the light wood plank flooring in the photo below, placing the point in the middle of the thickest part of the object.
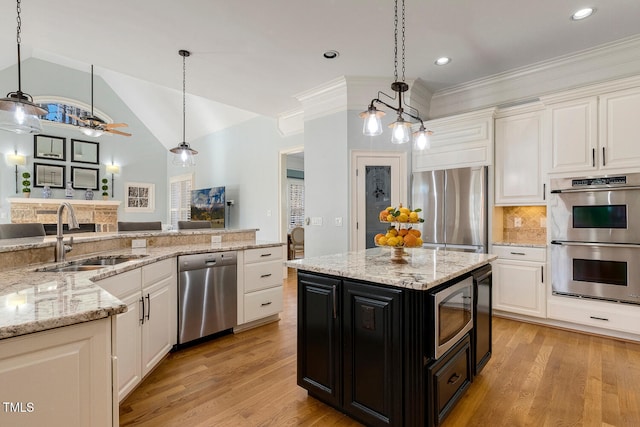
(537, 376)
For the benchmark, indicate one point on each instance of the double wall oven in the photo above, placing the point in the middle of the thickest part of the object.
(595, 237)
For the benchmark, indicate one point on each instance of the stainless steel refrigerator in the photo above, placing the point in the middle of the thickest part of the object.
(454, 207)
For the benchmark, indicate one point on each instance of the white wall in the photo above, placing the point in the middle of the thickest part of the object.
(138, 156)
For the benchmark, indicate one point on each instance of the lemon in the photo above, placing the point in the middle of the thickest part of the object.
(382, 240)
(403, 217)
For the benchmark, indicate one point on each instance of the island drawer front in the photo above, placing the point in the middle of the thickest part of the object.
(155, 272)
(122, 284)
(450, 376)
(260, 304)
(262, 254)
(522, 253)
(262, 276)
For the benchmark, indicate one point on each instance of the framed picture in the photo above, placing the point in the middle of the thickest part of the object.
(49, 147)
(83, 178)
(139, 197)
(85, 152)
(51, 175)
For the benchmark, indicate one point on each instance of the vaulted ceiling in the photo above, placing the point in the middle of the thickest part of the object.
(253, 56)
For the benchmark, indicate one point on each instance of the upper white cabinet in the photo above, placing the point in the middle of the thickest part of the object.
(457, 141)
(519, 159)
(594, 133)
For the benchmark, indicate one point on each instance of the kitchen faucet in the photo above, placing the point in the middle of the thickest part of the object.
(61, 248)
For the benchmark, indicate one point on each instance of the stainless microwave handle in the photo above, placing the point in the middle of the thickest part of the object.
(606, 245)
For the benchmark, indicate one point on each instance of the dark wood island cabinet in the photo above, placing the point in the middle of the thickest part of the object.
(368, 348)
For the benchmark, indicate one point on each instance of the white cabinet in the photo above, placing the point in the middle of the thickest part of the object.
(596, 133)
(519, 280)
(261, 293)
(519, 160)
(599, 314)
(147, 331)
(59, 377)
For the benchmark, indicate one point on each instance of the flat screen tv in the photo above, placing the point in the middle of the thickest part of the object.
(208, 204)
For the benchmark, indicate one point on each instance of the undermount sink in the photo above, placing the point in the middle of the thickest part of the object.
(90, 264)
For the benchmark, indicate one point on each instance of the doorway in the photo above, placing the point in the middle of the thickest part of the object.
(379, 180)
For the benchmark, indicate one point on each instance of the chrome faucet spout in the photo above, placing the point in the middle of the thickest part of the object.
(61, 250)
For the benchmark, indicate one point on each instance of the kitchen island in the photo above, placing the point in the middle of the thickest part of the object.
(368, 343)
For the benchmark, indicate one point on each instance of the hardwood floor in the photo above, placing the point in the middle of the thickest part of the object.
(537, 376)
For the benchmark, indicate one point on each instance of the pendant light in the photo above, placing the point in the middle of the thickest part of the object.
(18, 113)
(183, 154)
(400, 129)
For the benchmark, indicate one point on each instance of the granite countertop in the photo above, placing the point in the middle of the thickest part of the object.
(33, 301)
(523, 245)
(425, 268)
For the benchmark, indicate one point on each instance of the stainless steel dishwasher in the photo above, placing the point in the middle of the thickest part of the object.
(207, 294)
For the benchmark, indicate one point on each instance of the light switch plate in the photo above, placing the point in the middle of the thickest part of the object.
(316, 220)
(517, 222)
(216, 239)
(139, 243)
(338, 221)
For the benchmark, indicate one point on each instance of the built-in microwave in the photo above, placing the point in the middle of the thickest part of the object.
(452, 315)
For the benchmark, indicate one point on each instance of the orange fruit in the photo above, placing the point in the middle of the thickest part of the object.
(377, 237)
(403, 232)
(410, 240)
(415, 232)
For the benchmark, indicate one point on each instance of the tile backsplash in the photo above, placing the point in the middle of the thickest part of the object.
(524, 224)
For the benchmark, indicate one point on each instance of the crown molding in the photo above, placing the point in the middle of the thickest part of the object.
(610, 61)
(291, 122)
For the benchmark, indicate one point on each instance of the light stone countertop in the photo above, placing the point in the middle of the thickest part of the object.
(425, 268)
(523, 245)
(33, 301)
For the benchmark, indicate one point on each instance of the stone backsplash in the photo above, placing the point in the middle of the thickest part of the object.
(532, 227)
(102, 213)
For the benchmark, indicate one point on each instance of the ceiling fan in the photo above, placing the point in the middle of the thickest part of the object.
(94, 126)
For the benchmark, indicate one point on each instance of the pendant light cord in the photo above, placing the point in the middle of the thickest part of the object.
(184, 102)
(395, 38)
(19, 40)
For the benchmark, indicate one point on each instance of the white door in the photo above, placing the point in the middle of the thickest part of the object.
(380, 180)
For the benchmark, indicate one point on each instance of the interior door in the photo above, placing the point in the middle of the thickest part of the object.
(380, 181)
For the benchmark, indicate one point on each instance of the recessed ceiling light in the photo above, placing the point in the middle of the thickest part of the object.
(443, 61)
(583, 13)
(331, 54)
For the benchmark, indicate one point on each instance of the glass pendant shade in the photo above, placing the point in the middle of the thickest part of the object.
(421, 139)
(91, 131)
(400, 131)
(372, 124)
(19, 115)
(183, 155)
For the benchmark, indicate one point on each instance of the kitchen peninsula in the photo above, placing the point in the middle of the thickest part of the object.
(392, 344)
(64, 343)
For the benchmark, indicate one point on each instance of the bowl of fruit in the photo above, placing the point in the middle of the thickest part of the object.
(401, 232)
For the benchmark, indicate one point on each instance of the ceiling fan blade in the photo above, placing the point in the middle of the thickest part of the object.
(115, 125)
(117, 132)
(78, 119)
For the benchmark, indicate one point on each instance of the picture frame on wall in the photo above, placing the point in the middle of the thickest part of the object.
(49, 147)
(85, 152)
(139, 197)
(51, 175)
(84, 178)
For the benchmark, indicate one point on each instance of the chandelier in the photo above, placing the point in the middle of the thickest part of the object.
(18, 113)
(183, 153)
(401, 128)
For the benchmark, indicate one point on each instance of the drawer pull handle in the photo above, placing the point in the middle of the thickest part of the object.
(142, 313)
(264, 304)
(599, 318)
(269, 254)
(266, 275)
(518, 253)
(454, 379)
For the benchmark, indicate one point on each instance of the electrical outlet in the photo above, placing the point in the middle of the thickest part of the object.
(139, 243)
(316, 220)
(338, 221)
(517, 222)
(543, 222)
(216, 239)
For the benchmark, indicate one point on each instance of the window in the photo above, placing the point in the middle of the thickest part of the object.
(180, 197)
(295, 202)
(61, 110)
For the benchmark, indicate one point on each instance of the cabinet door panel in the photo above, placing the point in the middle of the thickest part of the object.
(518, 287)
(618, 129)
(158, 323)
(319, 337)
(372, 326)
(128, 335)
(574, 127)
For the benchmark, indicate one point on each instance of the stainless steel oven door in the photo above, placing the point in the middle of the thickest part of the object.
(596, 270)
(611, 216)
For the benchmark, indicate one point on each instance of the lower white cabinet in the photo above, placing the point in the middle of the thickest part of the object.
(59, 377)
(599, 314)
(519, 280)
(261, 291)
(147, 331)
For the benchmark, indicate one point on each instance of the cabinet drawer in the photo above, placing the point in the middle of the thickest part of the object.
(450, 376)
(262, 275)
(123, 284)
(160, 270)
(263, 303)
(262, 254)
(522, 253)
(600, 314)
